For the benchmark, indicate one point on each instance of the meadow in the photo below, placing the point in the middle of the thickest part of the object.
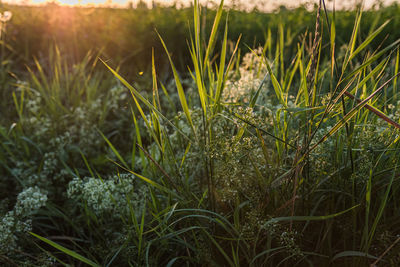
(199, 136)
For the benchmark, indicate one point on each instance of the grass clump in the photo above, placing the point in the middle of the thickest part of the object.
(269, 159)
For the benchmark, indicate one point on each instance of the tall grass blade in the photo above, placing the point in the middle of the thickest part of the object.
(378, 216)
(276, 85)
(396, 70)
(370, 60)
(114, 150)
(353, 38)
(66, 251)
(199, 79)
(214, 30)
(221, 69)
(310, 218)
(144, 100)
(179, 87)
(368, 40)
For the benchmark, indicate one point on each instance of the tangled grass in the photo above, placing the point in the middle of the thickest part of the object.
(258, 160)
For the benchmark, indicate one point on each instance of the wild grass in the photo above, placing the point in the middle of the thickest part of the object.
(285, 155)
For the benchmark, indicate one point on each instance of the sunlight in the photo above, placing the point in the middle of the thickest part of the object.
(266, 5)
(74, 2)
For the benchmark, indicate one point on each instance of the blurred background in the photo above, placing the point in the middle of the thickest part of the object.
(126, 36)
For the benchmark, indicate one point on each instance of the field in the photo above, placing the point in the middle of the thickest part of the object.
(199, 136)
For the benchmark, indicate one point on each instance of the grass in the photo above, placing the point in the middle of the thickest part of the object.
(284, 155)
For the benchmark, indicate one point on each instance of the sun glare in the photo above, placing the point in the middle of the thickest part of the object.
(73, 2)
(264, 4)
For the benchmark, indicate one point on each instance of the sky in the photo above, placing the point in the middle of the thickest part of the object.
(267, 4)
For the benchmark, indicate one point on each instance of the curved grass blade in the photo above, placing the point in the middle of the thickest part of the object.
(350, 253)
(181, 93)
(114, 150)
(66, 251)
(147, 180)
(266, 252)
(381, 209)
(221, 250)
(310, 218)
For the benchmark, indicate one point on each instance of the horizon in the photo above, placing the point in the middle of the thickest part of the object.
(264, 5)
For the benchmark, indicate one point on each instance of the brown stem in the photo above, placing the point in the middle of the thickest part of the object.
(375, 111)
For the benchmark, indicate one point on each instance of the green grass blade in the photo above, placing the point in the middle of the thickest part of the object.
(197, 25)
(221, 69)
(156, 137)
(353, 254)
(367, 210)
(144, 100)
(179, 87)
(114, 150)
(352, 113)
(220, 249)
(396, 70)
(139, 141)
(368, 40)
(275, 83)
(332, 40)
(310, 218)
(211, 41)
(66, 251)
(372, 59)
(259, 255)
(199, 80)
(148, 181)
(381, 209)
(353, 39)
(86, 163)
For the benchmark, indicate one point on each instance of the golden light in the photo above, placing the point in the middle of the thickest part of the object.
(73, 2)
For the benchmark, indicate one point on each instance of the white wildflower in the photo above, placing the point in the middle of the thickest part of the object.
(30, 200)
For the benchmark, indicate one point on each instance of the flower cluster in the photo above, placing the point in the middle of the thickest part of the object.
(288, 240)
(251, 74)
(10, 229)
(113, 196)
(18, 221)
(30, 200)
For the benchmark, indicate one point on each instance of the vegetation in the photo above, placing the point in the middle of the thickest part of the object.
(281, 154)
